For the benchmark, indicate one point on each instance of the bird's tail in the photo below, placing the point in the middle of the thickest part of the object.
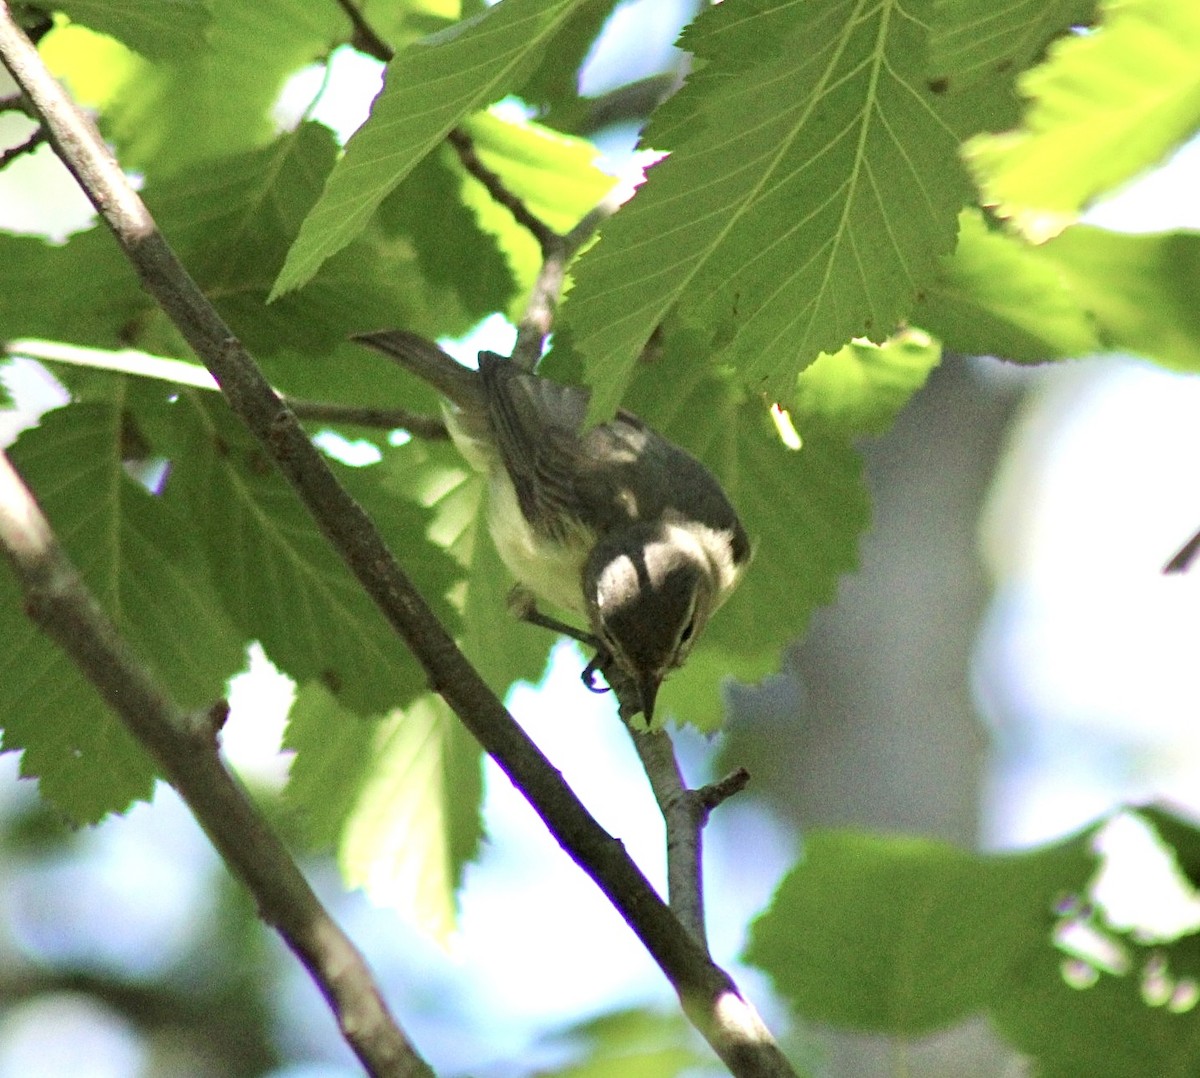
(429, 363)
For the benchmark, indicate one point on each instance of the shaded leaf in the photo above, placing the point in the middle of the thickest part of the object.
(905, 935)
(430, 86)
(105, 298)
(232, 223)
(977, 40)
(217, 100)
(998, 296)
(453, 253)
(141, 561)
(277, 575)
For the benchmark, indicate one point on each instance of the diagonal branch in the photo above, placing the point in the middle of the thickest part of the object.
(708, 995)
(57, 600)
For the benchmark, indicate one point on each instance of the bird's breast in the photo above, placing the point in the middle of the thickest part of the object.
(551, 569)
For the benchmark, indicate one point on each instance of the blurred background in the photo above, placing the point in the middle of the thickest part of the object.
(1009, 664)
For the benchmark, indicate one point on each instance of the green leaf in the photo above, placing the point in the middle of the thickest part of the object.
(1142, 291)
(555, 81)
(862, 388)
(905, 935)
(232, 222)
(1105, 106)
(400, 796)
(556, 176)
(630, 1044)
(453, 253)
(997, 295)
(217, 100)
(35, 276)
(277, 575)
(810, 189)
(430, 86)
(158, 29)
(976, 40)
(142, 563)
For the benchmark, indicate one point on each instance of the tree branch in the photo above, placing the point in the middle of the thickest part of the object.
(685, 871)
(28, 146)
(57, 600)
(708, 995)
(685, 813)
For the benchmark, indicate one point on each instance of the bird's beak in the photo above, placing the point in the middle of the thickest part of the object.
(648, 688)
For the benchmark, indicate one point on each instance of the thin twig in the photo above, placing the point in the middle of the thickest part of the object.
(707, 994)
(685, 814)
(464, 146)
(685, 874)
(1184, 556)
(57, 600)
(538, 319)
(28, 146)
(365, 39)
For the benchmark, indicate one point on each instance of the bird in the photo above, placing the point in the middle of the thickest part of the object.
(612, 522)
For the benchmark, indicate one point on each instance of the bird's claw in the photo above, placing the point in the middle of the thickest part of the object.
(599, 661)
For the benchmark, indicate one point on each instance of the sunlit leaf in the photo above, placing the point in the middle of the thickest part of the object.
(810, 189)
(430, 86)
(1104, 106)
(398, 796)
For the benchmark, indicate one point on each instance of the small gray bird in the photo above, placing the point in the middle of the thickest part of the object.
(612, 522)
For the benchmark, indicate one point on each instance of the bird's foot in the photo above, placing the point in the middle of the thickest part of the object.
(598, 665)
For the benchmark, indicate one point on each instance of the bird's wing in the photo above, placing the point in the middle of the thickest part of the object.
(558, 475)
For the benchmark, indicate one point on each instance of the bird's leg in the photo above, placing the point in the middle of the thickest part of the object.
(523, 606)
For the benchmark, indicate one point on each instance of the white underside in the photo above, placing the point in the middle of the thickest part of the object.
(552, 571)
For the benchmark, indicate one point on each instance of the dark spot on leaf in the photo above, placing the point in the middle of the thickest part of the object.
(1004, 65)
(332, 680)
(939, 85)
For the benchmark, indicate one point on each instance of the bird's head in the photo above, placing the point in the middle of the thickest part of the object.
(650, 590)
